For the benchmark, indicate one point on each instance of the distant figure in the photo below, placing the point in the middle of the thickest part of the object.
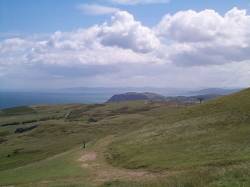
(200, 99)
(84, 145)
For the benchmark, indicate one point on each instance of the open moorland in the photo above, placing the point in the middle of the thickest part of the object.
(133, 143)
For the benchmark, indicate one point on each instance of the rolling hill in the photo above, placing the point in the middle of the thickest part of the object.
(134, 96)
(211, 140)
(153, 97)
(131, 143)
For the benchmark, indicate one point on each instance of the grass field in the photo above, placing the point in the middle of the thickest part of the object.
(211, 139)
(138, 144)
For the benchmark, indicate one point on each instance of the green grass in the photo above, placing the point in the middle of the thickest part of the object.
(214, 134)
(56, 136)
(62, 168)
(203, 145)
(205, 177)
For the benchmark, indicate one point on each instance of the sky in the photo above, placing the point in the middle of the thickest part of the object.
(124, 43)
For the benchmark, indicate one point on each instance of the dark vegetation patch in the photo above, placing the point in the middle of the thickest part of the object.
(25, 129)
(31, 121)
(37, 119)
(92, 120)
(10, 123)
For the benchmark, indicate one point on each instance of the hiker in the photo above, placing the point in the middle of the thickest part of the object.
(84, 145)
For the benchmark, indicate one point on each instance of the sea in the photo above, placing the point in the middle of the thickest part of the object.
(13, 99)
(84, 95)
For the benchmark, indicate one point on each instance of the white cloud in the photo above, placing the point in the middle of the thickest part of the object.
(209, 38)
(211, 46)
(187, 38)
(125, 32)
(95, 9)
(207, 25)
(13, 45)
(135, 2)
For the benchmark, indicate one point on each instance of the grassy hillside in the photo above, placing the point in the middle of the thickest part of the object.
(210, 138)
(128, 144)
(60, 128)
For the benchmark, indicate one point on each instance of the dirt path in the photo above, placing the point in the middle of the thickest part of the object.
(100, 171)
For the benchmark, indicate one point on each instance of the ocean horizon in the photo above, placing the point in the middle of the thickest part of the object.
(85, 95)
(10, 99)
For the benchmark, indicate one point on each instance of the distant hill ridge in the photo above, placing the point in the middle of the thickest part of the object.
(132, 96)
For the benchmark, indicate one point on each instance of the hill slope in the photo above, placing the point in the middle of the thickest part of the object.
(128, 144)
(205, 138)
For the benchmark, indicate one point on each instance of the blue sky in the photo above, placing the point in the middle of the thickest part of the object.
(114, 43)
(46, 16)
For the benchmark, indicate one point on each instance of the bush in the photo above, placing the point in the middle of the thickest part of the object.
(91, 120)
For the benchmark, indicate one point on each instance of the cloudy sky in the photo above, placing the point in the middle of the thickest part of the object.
(124, 43)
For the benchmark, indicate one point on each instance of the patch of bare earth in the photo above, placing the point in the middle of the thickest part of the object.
(100, 171)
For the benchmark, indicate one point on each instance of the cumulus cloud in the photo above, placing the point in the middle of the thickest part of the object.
(208, 37)
(125, 32)
(187, 38)
(135, 2)
(207, 25)
(190, 26)
(95, 9)
(94, 46)
(204, 43)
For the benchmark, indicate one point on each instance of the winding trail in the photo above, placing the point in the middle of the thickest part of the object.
(93, 160)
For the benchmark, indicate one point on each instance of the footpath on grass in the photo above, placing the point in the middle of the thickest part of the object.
(93, 159)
